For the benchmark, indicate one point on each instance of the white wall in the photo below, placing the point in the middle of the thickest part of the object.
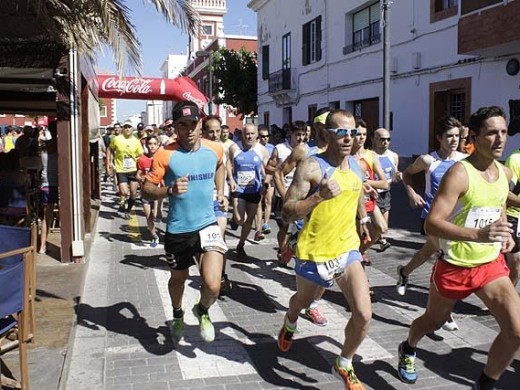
(358, 75)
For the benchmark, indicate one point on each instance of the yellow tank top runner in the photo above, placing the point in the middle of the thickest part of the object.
(481, 205)
(330, 230)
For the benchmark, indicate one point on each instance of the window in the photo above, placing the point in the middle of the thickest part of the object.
(473, 5)
(286, 51)
(311, 41)
(334, 105)
(265, 62)
(311, 112)
(266, 118)
(442, 9)
(103, 111)
(366, 29)
(207, 29)
(457, 105)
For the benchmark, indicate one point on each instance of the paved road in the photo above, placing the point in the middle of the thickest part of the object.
(122, 340)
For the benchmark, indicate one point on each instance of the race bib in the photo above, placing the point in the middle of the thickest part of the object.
(246, 178)
(480, 217)
(211, 240)
(128, 163)
(332, 269)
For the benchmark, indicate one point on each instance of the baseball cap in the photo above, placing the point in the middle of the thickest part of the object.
(128, 124)
(186, 112)
(140, 126)
(149, 128)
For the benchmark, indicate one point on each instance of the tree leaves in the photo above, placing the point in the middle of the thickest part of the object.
(236, 74)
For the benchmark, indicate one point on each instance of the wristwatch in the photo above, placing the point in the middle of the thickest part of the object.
(169, 191)
(364, 220)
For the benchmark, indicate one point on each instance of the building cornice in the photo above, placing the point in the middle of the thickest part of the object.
(255, 5)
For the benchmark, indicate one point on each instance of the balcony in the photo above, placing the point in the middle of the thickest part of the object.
(209, 6)
(280, 81)
(374, 39)
(492, 29)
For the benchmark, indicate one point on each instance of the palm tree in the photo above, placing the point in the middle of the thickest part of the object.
(89, 25)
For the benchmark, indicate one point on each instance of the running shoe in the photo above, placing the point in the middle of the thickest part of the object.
(122, 207)
(384, 245)
(154, 241)
(348, 376)
(225, 285)
(284, 256)
(207, 331)
(402, 281)
(365, 262)
(177, 325)
(406, 366)
(259, 236)
(285, 337)
(450, 325)
(315, 316)
(240, 249)
(266, 229)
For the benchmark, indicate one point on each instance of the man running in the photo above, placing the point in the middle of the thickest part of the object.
(327, 247)
(468, 217)
(389, 162)
(434, 166)
(513, 212)
(211, 128)
(247, 181)
(281, 151)
(190, 168)
(265, 215)
(122, 155)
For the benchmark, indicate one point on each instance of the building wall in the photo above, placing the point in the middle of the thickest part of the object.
(356, 76)
(111, 116)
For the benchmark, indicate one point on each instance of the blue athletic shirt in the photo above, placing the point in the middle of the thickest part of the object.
(247, 170)
(388, 167)
(434, 176)
(193, 210)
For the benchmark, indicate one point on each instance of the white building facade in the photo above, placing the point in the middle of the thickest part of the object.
(329, 53)
(171, 68)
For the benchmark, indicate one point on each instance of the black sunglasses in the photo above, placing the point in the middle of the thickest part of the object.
(383, 139)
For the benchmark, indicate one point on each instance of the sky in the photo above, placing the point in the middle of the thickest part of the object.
(158, 39)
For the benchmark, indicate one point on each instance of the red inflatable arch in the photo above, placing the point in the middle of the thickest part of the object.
(147, 88)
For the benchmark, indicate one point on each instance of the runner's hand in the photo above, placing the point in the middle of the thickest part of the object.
(181, 185)
(232, 185)
(222, 202)
(329, 188)
(370, 191)
(508, 245)
(416, 201)
(498, 231)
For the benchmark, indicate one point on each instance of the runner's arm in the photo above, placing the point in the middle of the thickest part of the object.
(297, 205)
(421, 164)
(298, 154)
(381, 183)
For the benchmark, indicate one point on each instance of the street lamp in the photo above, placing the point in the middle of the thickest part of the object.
(203, 54)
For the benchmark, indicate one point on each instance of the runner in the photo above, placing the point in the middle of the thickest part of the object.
(144, 164)
(247, 181)
(369, 163)
(389, 161)
(327, 248)
(281, 151)
(211, 128)
(265, 215)
(434, 166)
(122, 156)
(513, 212)
(299, 154)
(468, 216)
(190, 168)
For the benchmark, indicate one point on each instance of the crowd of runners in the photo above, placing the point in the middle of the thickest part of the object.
(330, 196)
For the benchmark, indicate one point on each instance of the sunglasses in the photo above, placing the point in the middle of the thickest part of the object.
(264, 135)
(383, 139)
(344, 132)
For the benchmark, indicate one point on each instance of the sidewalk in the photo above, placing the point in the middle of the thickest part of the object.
(122, 341)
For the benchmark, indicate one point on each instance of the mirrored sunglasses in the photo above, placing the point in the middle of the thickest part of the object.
(344, 132)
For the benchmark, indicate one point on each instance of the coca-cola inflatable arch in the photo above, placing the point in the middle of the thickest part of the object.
(147, 88)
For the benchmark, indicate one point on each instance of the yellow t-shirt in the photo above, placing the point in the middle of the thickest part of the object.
(513, 163)
(330, 229)
(9, 143)
(126, 151)
(481, 205)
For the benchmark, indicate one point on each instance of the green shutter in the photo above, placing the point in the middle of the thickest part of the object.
(305, 46)
(318, 38)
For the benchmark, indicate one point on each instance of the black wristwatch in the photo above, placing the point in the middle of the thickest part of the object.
(169, 191)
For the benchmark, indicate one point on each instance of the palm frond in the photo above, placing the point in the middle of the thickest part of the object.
(178, 12)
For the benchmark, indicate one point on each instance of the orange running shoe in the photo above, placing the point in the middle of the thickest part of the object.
(348, 376)
(285, 337)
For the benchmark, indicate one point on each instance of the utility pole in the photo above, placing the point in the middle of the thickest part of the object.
(386, 4)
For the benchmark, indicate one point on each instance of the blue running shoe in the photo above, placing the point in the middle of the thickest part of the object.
(406, 366)
(266, 229)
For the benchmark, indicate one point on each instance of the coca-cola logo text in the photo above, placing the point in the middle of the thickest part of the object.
(140, 86)
(188, 96)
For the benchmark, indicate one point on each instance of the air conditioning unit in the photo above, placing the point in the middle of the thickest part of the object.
(416, 60)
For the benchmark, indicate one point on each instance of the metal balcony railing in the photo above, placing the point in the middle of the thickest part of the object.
(375, 38)
(280, 80)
